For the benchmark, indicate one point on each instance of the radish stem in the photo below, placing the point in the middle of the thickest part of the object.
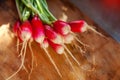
(18, 6)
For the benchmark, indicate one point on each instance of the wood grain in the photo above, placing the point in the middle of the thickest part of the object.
(104, 50)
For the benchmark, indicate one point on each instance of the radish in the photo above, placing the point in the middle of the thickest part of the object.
(24, 33)
(38, 29)
(56, 47)
(52, 35)
(78, 26)
(61, 27)
(82, 26)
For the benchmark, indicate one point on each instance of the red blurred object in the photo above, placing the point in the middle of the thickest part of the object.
(113, 4)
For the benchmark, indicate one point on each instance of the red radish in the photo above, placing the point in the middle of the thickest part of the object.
(68, 38)
(57, 47)
(38, 29)
(61, 27)
(25, 31)
(52, 35)
(16, 27)
(45, 43)
(82, 26)
(78, 26)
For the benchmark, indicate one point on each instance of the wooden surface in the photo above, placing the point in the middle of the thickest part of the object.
(105, 51)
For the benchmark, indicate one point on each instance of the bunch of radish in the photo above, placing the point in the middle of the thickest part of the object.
(38, 24)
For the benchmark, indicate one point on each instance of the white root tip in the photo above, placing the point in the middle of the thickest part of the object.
(40, 39)
(84, 28)
(68, 38)
(60, 50)
(45, 44)
(66, 30)
(58, 40)
(25, 35)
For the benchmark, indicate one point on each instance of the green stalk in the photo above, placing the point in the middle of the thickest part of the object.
(41, 9)
(18, 9)
(39, 6)
(29, 5)
(25, 14)
(44, 1)
(23, 11)
(47, 11)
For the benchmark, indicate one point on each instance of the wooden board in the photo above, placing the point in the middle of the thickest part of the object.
(105, 50)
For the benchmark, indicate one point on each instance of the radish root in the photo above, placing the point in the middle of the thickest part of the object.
(71, 55)
(18, 41)
(52, 61)
(22, 59)
(70, 63)
(23, 46)
(78, 47)
(25, 68)
(32, 62)
(81, 42)
(91, 28)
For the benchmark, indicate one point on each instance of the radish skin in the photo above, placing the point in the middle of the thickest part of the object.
(16, 27)
(56, 47)
(52, 35)
(25, 31)
(61, 27)
(38, 29)
(78, 26)
(82, 26)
